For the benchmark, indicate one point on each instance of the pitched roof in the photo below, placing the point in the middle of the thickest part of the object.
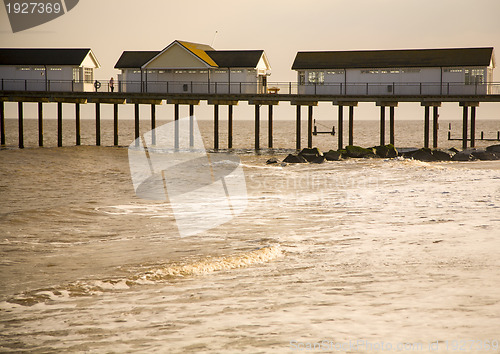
(236, 58)
(134, 59)
(46, 56)
(200, 50)
(393, 58)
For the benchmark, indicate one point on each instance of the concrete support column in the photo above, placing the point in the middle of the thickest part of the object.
(136, 123)
(153, 124)
(464, 126)
(351, 125)
(391, 125)
(176, 126)
(2, 123)
(191, 125)
(297, 129)
(59, 124)
(216, 127)
(435, 126)
(77, 124)
(115, 124)
(257, 127)
(426, 126)
(340, 127)
(382, 125)
(309, 126)
(270, 128)
(473, 126)
(230, 126)
(98, 124)
(40, 124)
(20, 124)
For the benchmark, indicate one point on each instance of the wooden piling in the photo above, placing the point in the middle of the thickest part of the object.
(297, 129)
(309, 126)
(20, 124)
(473, 126)
(59, 124)
(391, 125)
(136, 121)
(270, 128)
(115, 124)
(191, 125)
(351, 125)
(435, 127)
(2, 123)
(340, 127)
(216, 127)
(464, 127)
(77, 123)
(230, 126)
(153, 124)
(382, 125)
(40, 124)
(257, 127)
(176, 126)
(98, 124)
(426, 126)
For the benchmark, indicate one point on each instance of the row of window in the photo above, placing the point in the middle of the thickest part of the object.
(219, 71)
(29, 68)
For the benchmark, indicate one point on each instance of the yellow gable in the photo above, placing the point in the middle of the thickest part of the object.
(176, 57)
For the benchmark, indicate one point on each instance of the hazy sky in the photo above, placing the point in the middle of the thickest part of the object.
(281, 28)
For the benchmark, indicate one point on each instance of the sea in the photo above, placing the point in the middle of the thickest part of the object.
(360, 255)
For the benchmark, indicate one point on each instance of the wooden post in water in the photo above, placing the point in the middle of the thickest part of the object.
(297, 129)
(59, 124)
(257, 127)
(382, 125)
(435, 126)
(153, 124)
(309, 126)
(270, 128)
(98, 124)
(40, 124)
(20, 124)
(473, 126)
(464, 126)
(340, 127)
(136, 123)
(2, 123)
(230, 126)
(391, 125)
(426, 126)
(351, 125)
(77, 123)
(115, 124)
(176, 126)
(216, 127)
(191, 125)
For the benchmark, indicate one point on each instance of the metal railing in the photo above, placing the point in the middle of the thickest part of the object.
(272, 88)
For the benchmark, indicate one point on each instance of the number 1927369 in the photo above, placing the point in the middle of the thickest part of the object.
(33, 8)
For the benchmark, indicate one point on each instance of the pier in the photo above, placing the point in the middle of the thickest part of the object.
(467, 102)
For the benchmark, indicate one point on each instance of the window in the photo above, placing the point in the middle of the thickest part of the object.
(203, 71)
(39, 69)
(369, 71)
(191, 72)
(302, 78)
(335, 72)
(384, 71)
(220, 71)
(316, 77)
(453, 70)
(88, 74)
(24, 68)
(136, 71)
(394, 71)
(411, 71)
(55, 69)
(474, 76)
(161, 71)
(76, 74)
(180, 71)
(237, 71)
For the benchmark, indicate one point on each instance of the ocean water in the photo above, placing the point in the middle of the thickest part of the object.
(374, 252)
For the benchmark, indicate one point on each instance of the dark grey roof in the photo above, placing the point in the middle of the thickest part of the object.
(13, 56)
(236, 58)
(393, 58)
(134, 59)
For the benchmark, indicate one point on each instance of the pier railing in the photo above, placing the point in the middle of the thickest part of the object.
(272, 88)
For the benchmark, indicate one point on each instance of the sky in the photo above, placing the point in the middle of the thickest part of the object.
(281, 28)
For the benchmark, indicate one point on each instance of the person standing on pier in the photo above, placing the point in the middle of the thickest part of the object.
(112, 84)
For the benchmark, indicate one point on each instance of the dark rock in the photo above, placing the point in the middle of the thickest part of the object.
(485, 155)
(406, 152)
(310, 154)
(294, 159)
(272, 160)
(462, 156)
(385, 151)
(358, 151)
(319, 159)
(440, 155)
(453, 150)
(423, 154)
(343, 153)
(493, 148)
(333, 155)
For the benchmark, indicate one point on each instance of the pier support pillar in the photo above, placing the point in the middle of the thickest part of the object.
(473, 126)
(382, 125)
(435, 127)
(191, 125)
(297, 129)
(136, 123)
(216, 127)
(40, 124)
(351, 125)
(20, 124)
(340, 127)
(464, 127)
(59, 124)
(77, 124)
(257, 127)
(176, 126)
(391, 125)
(2, 123)
(230, 126)
(98, 124)
(115, 124)
(309, 126)
(426, 126)
(153, 124)
(270, 128)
